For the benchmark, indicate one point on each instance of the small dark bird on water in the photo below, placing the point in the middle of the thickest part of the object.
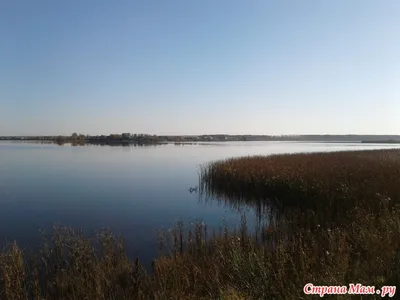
(191, 190)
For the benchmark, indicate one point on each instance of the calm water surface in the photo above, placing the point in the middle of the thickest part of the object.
(132, 190)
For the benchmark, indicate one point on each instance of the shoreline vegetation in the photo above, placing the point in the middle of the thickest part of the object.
(334, 219)
(129, 138)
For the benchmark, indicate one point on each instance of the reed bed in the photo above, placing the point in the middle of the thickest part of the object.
(273, 263)
(328, 184)
(229, 265)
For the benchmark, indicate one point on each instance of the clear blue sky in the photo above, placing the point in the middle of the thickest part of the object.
(192, 67)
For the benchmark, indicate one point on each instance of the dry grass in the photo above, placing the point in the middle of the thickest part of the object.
(361, 243)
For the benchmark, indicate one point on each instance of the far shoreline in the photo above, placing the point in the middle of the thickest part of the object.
(128, 138)
(197, 142)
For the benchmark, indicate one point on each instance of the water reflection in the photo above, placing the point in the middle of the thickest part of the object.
(261, 207)
(134, 190)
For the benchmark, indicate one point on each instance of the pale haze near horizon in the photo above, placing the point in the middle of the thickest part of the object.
(195, 67)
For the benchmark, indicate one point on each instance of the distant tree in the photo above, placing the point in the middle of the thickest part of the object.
(115, 136)
(126, 136)
(74, 136)
(60, 140)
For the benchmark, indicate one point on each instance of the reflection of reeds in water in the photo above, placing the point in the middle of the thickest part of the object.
(261, 206)
(263, 211)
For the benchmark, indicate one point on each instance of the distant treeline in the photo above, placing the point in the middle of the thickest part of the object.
(147, 138)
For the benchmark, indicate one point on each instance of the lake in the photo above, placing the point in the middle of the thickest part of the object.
(131, 190)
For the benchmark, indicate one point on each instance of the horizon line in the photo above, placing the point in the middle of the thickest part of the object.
(210, 134)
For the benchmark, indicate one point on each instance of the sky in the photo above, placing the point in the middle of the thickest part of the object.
(199, 67)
